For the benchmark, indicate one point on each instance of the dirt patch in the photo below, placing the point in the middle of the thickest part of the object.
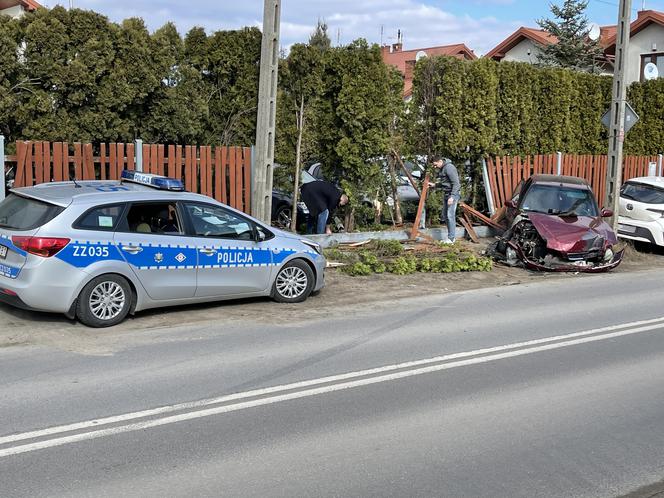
(342, 294)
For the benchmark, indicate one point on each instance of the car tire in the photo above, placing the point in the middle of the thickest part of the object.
(283, 216)
(105, 301)
(293, 283)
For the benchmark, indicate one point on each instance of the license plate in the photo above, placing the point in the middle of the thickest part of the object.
(626, 228)
(3, 252)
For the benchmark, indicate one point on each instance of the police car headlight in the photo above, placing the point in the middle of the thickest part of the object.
(608, 255)
(313, 245)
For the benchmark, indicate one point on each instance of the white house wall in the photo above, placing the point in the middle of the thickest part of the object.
(640, 44)
(520, 52)
(16, 11)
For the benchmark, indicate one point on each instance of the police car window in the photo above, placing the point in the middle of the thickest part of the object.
(216, 222)
(21, 213)
(101, 218)
(159, 218)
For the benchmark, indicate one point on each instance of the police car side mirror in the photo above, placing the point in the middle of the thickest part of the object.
(259, 235)
(607, 213)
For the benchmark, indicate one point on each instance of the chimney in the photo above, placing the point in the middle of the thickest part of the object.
(410, 68)
(384, 50)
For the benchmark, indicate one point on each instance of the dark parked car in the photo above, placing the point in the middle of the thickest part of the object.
(555, 225)
(282, 205)
(282, 210)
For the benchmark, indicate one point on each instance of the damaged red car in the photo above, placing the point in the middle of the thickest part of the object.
(555, 225)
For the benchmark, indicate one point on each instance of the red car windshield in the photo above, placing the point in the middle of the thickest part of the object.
(560, 201)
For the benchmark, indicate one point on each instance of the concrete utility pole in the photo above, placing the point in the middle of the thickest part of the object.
(261, 199)
(618, 97)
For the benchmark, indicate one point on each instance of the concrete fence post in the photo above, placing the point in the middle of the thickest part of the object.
(139, 154)
(559, 163)
(659, 164)
(487, 187)
(3, 180)
(652, 168)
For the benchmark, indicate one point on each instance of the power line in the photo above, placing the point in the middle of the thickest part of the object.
(614, 4)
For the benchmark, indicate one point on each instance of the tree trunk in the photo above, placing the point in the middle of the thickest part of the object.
(298, 159)
(398, 218)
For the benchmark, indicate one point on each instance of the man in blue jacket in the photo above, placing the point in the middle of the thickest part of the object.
(448, 180)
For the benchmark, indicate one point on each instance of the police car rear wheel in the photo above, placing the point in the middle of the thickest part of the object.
(104, 302)
(294, 282)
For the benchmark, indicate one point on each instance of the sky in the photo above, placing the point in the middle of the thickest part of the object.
(480, 24)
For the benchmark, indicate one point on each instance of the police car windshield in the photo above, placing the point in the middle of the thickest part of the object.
(22, 213)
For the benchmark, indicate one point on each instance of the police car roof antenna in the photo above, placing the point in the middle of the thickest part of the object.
(73, 179)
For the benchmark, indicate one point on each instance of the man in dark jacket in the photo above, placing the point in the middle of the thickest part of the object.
(448, 180)
(322, 198)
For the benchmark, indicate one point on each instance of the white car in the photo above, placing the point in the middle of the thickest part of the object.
(642, 210)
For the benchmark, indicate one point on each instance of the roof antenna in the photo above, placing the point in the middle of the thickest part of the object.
(73, 179)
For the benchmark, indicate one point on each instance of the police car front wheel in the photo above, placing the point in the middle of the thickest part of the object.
(104, 301)
(294, 282)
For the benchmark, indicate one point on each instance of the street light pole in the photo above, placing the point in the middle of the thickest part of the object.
(617, 125)
(261, 199)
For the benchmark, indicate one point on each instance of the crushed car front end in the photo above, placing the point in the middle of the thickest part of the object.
(536, 248)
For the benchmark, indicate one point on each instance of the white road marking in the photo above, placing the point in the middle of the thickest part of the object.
(203, 408)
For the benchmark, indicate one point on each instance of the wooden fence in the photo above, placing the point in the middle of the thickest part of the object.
(223, 173)
(505, 173)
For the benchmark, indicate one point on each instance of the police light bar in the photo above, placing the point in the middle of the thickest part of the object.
(155, 181)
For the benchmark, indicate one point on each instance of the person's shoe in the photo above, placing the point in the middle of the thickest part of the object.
(448, 241)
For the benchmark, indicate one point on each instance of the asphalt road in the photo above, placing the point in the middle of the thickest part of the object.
(545, 389)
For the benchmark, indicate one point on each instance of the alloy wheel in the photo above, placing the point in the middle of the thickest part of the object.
(107, 300)
(292, 282)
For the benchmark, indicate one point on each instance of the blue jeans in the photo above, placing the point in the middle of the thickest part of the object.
(449, 215)
(321, 223)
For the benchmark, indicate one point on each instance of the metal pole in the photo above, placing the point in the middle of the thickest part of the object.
(3, 180)
(487, 188)
(559, 163)
(659, 165)
(261, 200)
(139, 154)
(617, 128)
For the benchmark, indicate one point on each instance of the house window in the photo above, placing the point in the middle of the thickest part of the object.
(657, 59)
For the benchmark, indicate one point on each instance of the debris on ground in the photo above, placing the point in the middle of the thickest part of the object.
(403, 258)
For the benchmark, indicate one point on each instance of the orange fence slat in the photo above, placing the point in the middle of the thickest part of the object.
(189, 165)
(160, 159)
(58, 174)
(131, 157)
(88, 163)
(102, 163)
(232, 168)
(172, 172)
(224, 175)
(239, 162)
(247, 179)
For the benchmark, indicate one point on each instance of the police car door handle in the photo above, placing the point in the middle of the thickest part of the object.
(207, 251)
(132, 249)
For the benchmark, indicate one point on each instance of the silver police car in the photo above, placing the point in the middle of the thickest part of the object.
(98, 250)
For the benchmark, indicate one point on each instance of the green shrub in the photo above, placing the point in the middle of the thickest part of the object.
(358, 269)
(385, 248)
(404, 265)
(372, 261)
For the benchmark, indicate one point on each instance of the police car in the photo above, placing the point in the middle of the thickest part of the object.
(99, 250)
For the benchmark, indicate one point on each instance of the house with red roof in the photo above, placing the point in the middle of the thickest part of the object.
(404, 60)
(646, 45)
(16, 8)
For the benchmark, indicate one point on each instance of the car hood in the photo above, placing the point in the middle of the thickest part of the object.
(573, 234)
